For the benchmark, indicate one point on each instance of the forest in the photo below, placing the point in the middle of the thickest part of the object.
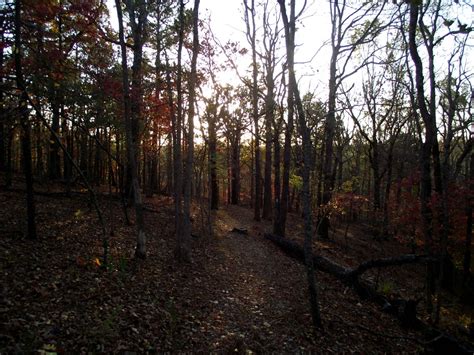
(167, 187)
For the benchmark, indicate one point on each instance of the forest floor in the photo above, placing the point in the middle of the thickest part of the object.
(239, 293)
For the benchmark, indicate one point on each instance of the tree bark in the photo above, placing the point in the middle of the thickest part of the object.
(280, 228)
(235, 169)
(177, 132)
(169, 163)
(251, 36)
(426, 150)
(183, 247)
(3, 135)
(269, 118)
(277, 183)
(290, 29)
(330, 126)
(468, 242)
(214, 184)
(140, 250)
(57, 99)
(25, 124)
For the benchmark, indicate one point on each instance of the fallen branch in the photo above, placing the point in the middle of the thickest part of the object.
(351, 277)
(404, 310)
(240, 231)
(394, 261)
(343, 273)
(320, 262)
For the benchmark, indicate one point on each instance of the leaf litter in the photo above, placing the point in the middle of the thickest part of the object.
(239, 293)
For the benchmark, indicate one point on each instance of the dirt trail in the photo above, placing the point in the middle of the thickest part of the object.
(240, 292)
(260, 297)
(256, 296)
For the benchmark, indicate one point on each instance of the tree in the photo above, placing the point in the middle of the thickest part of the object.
(290, 29)
(379, 121)
(25, 123)
(270, 41)
(233, 125)
(2, 109)
(140, 250)
(251, 38)
(363, 21)
(427, 106)
(183, 247)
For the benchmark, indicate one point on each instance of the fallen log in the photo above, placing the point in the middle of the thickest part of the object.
(343, 273)
(351, 277)
(394, 261)
(320, 262)
(404, 310)
(240, 231)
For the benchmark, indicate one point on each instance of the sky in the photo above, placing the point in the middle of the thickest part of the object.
(312, 37)
(227, 21)
(312, 49)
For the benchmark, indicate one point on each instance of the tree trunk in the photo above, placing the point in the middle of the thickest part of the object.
(3, 133)
(153, 163)
(54, 167)
(426, 151)
(304, 131)
(56, 104)
(25, 123)
(388, 186)
(183, 247)
(330, 125)
(285, 188)
(277, 184)
(177, 131)
(229, 172)
(468, 242)
(251, 35)
(252, 168)
(39, 151)
(269, 117)
(213, 161)
(377, 179)
(140, 250)
(169, 164)
(9, 163)
(235, 169)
